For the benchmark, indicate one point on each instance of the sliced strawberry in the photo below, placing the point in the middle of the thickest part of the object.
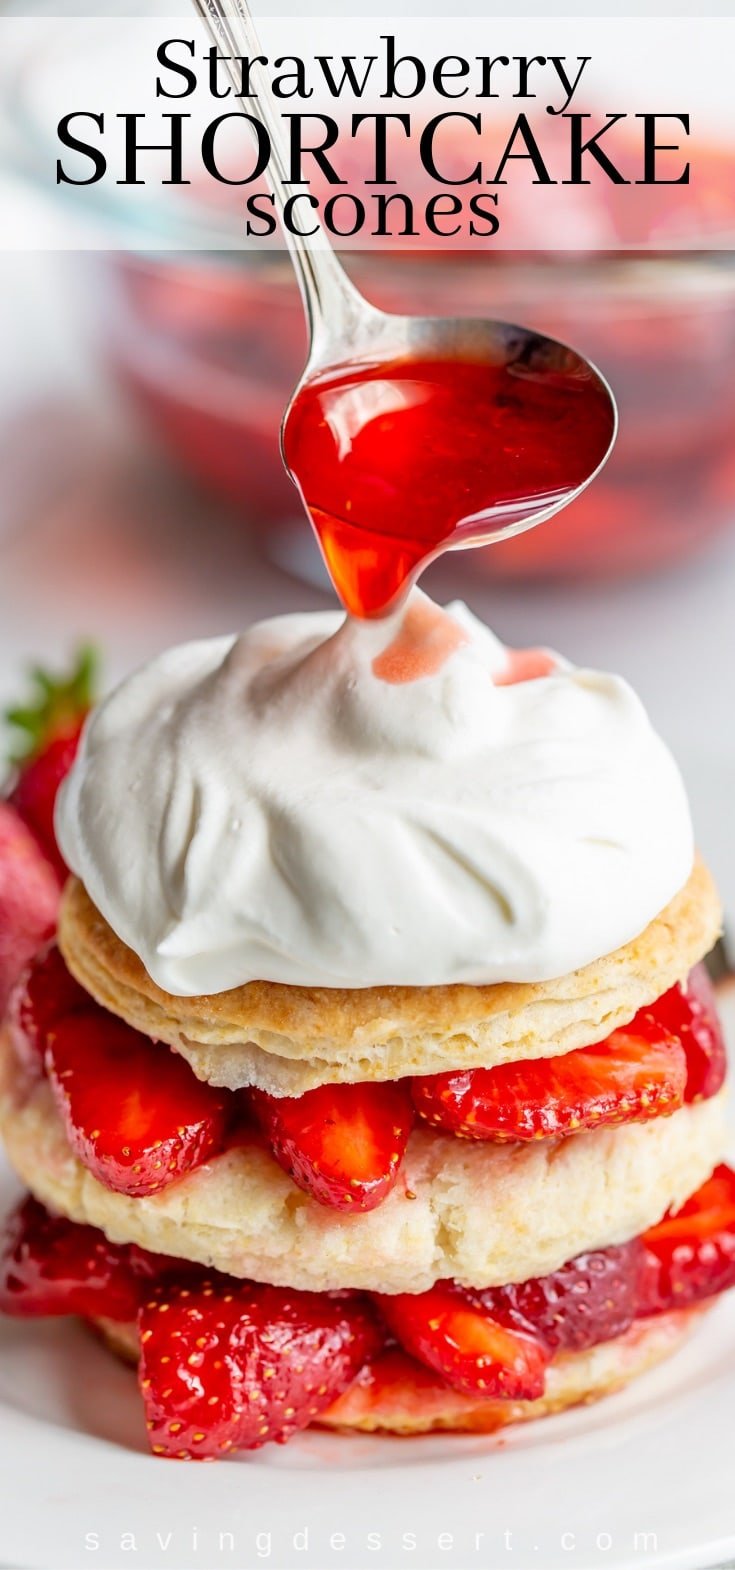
(51, 725)
(449, 1329)
(44, 994)
(229, 1365)
(690, 1255)
(343, 1144)
(689, 1011)
(29, 899)
(590, 1299)
(637, 1073)
(51, 1266)
(134, 1112)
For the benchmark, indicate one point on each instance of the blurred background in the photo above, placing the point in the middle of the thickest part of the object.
(143, 501)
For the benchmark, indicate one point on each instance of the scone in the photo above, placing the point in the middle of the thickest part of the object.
(286, 1039)
(376, 1080)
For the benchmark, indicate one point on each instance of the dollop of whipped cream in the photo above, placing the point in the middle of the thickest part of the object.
(331, 803)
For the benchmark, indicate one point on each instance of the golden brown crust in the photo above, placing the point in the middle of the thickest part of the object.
(288, 1039)
(484, 1214)
(394, 1395)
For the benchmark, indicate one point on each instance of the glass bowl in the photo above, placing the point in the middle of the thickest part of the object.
(209, 342)
(210, 348)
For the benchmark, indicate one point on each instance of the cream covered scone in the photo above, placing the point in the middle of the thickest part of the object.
(324, 803)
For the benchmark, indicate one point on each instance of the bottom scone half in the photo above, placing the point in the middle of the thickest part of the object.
(495, 1283)
(582, 1262)
(395, 1394)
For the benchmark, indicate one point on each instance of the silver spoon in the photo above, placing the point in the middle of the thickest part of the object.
(345, 330)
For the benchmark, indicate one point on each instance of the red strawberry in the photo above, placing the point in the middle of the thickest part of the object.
(51, 1266)
(29, 899)
(134, 1112)
(228, 1365)
(45, 993)
(689, 1011)
(637, 1073)
(341, 1143)
(51, 724)
(690, 1255)
(449, 1329)
(592, 1298)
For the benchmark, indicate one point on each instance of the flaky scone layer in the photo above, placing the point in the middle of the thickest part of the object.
(572, 1378)
(396, 1396)
(288, 1039)
(484, 1214)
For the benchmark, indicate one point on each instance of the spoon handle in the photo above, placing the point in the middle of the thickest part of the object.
(334, 308)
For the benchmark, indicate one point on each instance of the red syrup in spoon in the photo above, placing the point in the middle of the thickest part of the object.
(401, 460)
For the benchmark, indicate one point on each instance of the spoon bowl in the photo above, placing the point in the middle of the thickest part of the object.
(407, 436)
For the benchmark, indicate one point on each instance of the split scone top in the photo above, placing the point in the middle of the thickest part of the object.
(288, 1039)
(454, 869)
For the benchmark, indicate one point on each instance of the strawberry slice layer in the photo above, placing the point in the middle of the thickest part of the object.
(343, 1144)
(592, 1298)
(450, 1330)
(44, 994)
(229, 1365)
(51, 1266)
(690, 1255)
(134, 1112)
(689, 1012)
(637, 1073)
(671, 1052)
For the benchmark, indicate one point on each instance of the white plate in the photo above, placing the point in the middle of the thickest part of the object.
(644, 1479)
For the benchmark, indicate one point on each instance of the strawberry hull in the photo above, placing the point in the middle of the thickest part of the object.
(50, 725)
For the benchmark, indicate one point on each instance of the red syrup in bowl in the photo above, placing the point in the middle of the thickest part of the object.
(401, 460)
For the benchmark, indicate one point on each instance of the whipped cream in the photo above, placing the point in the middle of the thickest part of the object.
(310, 803)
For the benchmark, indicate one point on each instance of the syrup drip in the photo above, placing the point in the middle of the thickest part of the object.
(399, 461)
(424, 642)
(428, 636)
(524, 665)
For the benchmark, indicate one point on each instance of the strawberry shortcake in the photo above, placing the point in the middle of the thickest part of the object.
(374, 1078)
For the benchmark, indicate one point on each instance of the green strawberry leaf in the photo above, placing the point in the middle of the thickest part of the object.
(56, 704)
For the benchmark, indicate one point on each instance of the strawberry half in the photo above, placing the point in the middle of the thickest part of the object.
(51, 725)
(44, 994)
(637, 1073)
(689, 1011)
(134, 1112)
(29, 899)
(590, 1299)
(343, 1144)
(228, 1365)
(51, 1266)
(449, 1329)
(690, 1255)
